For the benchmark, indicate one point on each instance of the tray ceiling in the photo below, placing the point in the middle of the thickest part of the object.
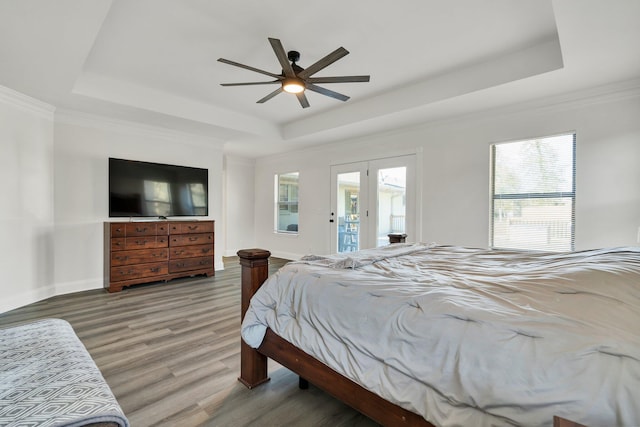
(155, 61)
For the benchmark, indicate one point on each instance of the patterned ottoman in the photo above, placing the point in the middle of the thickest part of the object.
(47, 378)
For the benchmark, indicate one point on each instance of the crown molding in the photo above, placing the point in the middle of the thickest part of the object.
(604, 94)
(614, 92)
(26, 103)
(93, 121)
(232, 159)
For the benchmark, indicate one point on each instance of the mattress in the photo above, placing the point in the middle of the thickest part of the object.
(469, 336)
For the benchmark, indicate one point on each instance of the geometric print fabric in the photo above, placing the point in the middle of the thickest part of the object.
(48, 378)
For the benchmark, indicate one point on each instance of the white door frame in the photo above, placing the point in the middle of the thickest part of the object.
(368, 197)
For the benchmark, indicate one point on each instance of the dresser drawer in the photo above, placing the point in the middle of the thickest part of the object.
(178, 252)
(187, 264)
(191, 239)
(133, 229)
(142, 242)
(117, 229)
(185, 227)
(129, 272)
(146, 242)
(117, 244)
(139, 256)
(141, 229)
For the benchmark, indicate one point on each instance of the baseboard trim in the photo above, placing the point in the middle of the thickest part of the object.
(26, 298)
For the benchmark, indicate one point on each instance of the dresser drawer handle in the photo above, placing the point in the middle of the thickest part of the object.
(193, 239)
(122, 258)
(122, 272)
(179, 252)
(193, 227)
(206, 250)
(118, 230)
(118, 243)
(180, 264)
(155, 270)
(141, 230)
(144, 242)
(203, 262)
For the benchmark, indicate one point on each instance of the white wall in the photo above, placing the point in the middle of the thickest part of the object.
(53, 209)
(54, 193)
(313, 193)
(26, 199)
(82, 147)
(455, 173)
(239, 204)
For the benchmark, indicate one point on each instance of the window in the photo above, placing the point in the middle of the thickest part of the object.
(533, 194)
(286, 191)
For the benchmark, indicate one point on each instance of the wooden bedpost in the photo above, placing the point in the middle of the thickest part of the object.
(255, 269)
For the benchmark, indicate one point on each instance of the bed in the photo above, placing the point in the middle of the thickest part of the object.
(48, 378)
(452, 336)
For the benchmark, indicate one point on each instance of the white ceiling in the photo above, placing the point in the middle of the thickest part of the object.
(155, 61)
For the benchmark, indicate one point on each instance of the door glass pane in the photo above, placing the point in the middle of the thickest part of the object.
(392, 203)
(348, 211)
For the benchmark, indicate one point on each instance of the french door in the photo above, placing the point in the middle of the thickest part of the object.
(370, 200)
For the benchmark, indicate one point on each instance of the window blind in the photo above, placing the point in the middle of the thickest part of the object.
(533, 194)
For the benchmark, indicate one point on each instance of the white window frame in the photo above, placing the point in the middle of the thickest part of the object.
(529, 196)
(284, 202)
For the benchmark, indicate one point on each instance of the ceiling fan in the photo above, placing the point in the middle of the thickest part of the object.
(295, 79)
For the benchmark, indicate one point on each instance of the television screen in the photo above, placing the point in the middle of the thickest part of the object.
(156, 190)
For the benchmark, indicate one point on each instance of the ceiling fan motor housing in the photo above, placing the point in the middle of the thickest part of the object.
(293, 55)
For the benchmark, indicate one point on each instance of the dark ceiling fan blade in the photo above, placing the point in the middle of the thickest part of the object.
(250, 83)
(247, 67)
(323, 63)
(278, 49)
(303, 99)
(271, 95)
(341, 79)
(326, 92)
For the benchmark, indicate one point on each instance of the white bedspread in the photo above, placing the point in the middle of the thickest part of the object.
(467, 336)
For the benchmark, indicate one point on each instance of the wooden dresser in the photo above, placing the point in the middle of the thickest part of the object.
(150, 251)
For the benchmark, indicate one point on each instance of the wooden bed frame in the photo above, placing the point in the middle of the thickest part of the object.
(253, 366)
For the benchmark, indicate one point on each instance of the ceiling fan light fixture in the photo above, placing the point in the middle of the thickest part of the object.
(295, 79)
(293, 85)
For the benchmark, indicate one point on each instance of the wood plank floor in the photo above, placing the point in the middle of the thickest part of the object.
(171, 354)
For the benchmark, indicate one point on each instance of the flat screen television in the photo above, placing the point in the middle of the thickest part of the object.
(144, 189)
